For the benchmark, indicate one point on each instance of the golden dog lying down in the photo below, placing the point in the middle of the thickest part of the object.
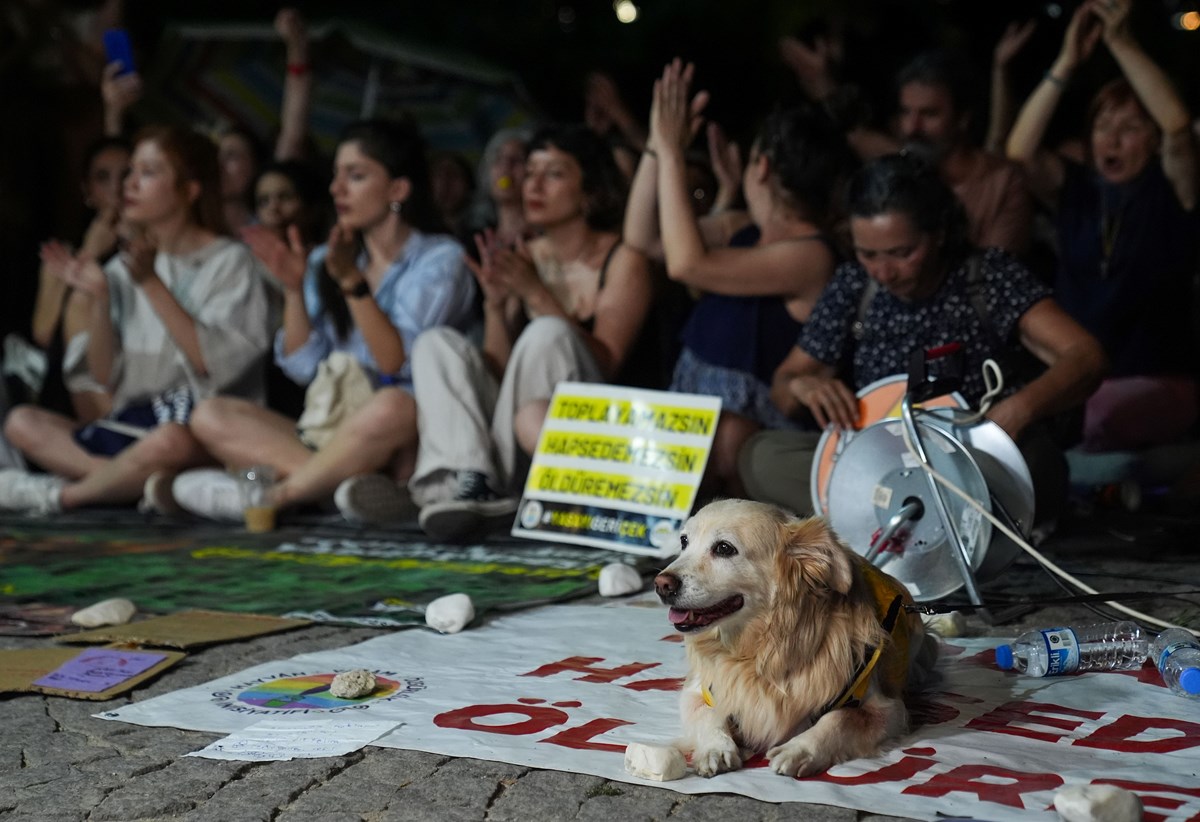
(796, 645)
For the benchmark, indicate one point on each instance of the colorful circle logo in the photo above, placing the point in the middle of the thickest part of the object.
(531, 514)
(310, 692)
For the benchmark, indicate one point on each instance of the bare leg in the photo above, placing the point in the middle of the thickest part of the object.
(364, 443)
(528, 424)
(48, 439)
(238, 432)
(121, 478)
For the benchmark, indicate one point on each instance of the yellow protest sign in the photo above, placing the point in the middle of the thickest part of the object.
(617, 467)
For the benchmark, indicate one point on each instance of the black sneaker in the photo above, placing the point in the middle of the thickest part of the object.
(373, 499)
(475, 508)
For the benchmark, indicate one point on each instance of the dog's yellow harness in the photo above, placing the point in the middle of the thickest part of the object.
(890, 597)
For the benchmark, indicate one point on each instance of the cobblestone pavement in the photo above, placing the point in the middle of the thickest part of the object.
(58, 763)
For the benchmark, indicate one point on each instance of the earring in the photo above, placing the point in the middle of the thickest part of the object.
(395, 206)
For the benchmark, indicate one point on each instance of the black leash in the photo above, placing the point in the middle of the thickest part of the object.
(945, 608)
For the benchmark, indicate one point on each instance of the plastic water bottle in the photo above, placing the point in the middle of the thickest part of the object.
(1176, 652)
(1109, 646)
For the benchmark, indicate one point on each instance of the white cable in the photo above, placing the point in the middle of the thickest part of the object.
(1033, 552)
(993, 379)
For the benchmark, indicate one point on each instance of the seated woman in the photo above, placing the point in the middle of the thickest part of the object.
(500, 177)
(1128, 231)
(59, 320)
(918, 283)
(377, 283)
(567, 306)
(760, 271)
(290, 207)
(178, 316)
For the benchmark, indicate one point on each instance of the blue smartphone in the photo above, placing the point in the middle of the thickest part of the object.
(117, 49)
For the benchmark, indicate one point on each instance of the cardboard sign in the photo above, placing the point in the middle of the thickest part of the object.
(80, 673)
(189, 629)
(617, 467)
(99, 669)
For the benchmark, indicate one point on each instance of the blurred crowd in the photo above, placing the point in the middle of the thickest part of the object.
(383, 328)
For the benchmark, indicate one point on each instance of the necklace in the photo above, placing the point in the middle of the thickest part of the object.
(1110, 229)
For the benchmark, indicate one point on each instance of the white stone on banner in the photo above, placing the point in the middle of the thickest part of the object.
(658, 762)
(352, 684)
(1097, 803)
(450, 614)
(618, 579)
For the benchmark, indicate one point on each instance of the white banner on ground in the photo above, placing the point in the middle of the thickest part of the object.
(567, 687)
(617, 467)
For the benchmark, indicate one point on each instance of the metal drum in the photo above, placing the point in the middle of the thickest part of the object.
(1008, 479)
(877, 401)
(876, 477)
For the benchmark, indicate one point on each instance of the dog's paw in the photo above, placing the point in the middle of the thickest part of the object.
(712, 761)
(798, 757)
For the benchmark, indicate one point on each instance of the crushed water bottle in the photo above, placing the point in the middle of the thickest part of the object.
(1176, 652)
(1108, 646)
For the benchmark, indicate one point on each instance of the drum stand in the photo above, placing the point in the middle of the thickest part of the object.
(899, 498)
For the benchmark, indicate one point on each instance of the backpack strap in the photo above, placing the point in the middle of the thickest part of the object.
(975, 297)
(864, 303)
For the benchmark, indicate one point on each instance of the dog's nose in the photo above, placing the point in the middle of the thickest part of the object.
(666, 586)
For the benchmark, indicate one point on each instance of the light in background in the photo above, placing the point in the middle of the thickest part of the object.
(626, 11)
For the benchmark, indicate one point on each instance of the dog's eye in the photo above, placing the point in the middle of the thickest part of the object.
(724, 549)
(683, 542)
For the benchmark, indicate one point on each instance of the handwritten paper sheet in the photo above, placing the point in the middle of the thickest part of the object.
(271, 740)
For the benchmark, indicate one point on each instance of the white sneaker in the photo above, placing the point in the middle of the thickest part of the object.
(475, 509)
(370, 499)
(38, 494)
(210, 493)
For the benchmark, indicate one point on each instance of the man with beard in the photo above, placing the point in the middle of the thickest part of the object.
(933, 120)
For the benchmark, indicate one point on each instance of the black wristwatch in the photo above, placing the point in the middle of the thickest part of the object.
(360, 289)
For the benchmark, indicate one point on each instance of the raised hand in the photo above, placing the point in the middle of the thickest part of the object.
(55, 256)
(675, 118)
(1080, 38)
(289, 24)
(514, 270)
(811, 65)
(85, 276)
(340, 262)
(139, 254)
(101, 235)
(1014, 38)
(603, 106)
(1114, 17)
(118, 94)
(495, 293)
(726, 160)
(285, 259)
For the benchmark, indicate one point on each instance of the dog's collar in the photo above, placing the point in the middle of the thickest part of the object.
(856, 691)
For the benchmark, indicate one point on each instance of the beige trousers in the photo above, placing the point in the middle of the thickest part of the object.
(465, 418)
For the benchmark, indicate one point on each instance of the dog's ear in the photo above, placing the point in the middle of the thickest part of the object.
(823, 561)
